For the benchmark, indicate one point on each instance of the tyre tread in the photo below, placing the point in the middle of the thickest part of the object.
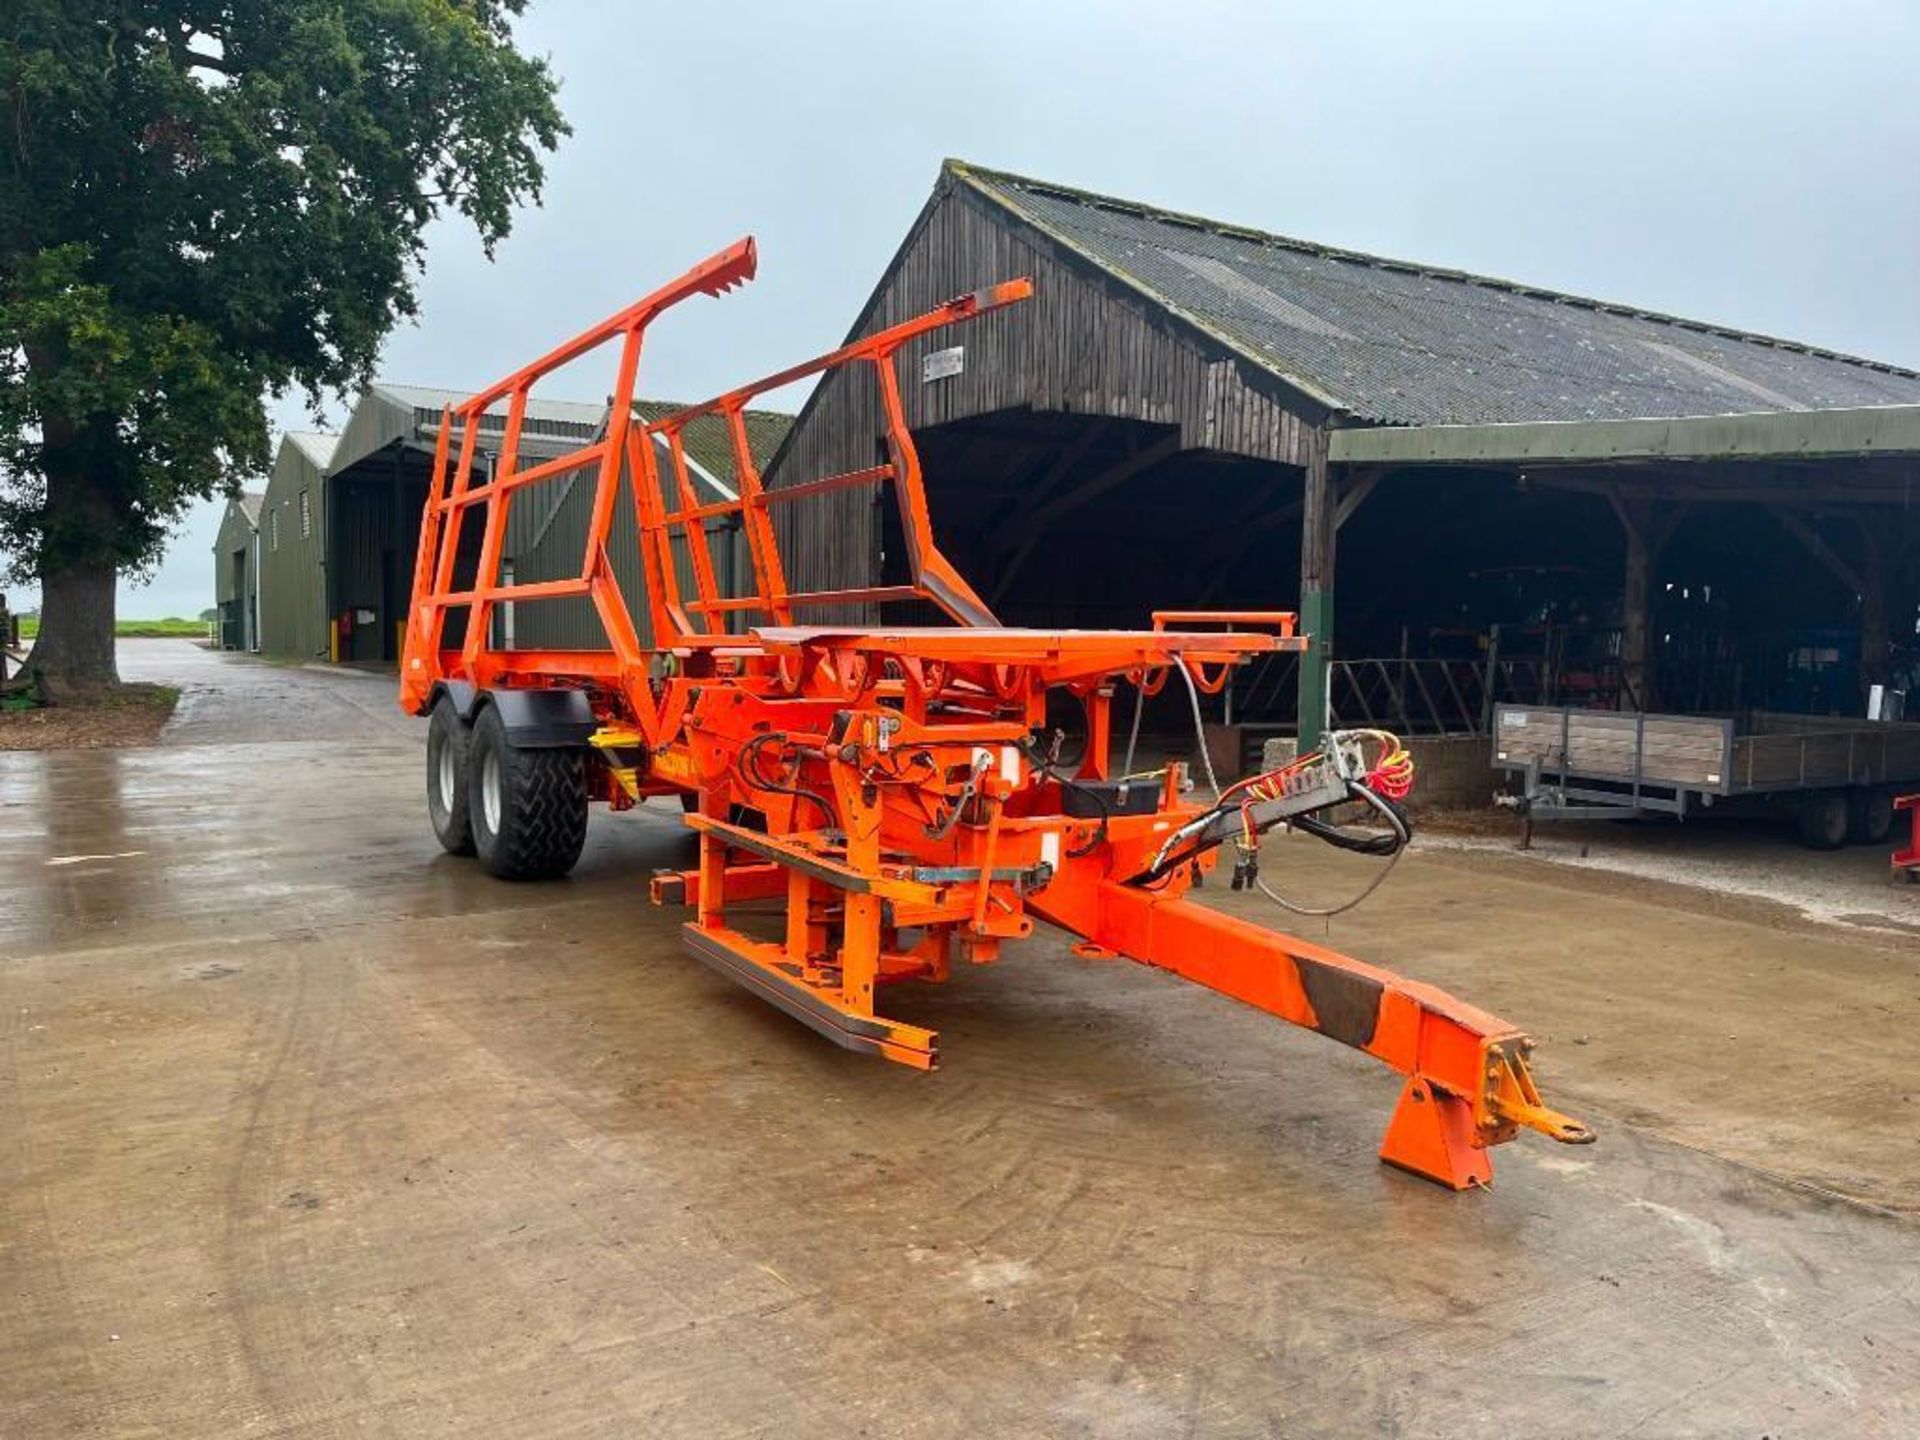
(454, 831)
(543, 808)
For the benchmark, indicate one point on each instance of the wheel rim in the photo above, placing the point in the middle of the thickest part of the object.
(490, 791)
(444, 777)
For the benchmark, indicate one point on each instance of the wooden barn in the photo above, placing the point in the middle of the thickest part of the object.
(1534, 494)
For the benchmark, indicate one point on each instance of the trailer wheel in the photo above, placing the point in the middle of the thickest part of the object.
(1869, 815)
(448, 742)
(1822, 820)
(528, 806)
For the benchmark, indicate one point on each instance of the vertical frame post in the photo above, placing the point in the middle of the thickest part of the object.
(494, 536)
(1317, 541)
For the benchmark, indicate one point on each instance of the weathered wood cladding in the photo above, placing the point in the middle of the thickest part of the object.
(1084, 345)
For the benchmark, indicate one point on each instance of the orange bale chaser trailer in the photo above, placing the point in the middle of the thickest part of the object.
(898, 787)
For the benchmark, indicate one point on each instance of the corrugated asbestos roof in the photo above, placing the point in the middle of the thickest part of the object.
(250, 502)
(1396, 343)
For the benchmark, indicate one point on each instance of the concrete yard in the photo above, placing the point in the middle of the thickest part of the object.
(309, 1130)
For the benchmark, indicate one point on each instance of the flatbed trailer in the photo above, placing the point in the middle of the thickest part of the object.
(898, 787)
(1835, 777)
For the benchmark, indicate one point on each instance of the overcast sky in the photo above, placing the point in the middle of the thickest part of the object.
(1752, 164)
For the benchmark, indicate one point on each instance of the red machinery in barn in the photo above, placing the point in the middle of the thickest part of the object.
(897, 786)
(1906, 860)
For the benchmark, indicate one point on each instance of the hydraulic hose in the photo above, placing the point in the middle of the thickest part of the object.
(1388, 845)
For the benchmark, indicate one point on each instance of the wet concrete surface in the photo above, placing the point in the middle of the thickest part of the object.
(310, 1130)
(1760, 860)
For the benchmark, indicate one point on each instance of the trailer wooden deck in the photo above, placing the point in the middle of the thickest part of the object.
(1838, 773)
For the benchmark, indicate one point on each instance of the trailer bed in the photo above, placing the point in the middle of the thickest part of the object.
(1763, 752)
(1836, 774)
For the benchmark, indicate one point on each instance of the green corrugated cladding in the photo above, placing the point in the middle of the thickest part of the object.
(234, 541)
(304, 580)
(236, 572)
(547, 536)
(293, 599)
(1766, 435)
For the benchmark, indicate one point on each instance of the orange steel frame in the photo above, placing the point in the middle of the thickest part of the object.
(908, 820)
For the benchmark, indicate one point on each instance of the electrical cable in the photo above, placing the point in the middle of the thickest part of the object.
(1390, 845)
(1162, 865)
(1381, 803)
(1133, 734)
(1199, 725)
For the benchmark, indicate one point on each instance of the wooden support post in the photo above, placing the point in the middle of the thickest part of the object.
(1875, 649)
(1638, 521)
(1635, 620)
(1317, 537)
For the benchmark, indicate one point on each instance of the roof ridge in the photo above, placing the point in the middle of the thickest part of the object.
(389, 386)
(975, 175)
(689, 404)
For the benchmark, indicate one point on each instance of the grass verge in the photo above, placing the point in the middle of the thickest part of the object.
(171, 628)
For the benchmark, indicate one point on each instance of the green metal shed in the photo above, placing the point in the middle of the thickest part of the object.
(292, 526)
(547, 531)
(236, 572)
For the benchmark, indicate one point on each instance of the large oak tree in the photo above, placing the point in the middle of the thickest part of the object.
(203, 203)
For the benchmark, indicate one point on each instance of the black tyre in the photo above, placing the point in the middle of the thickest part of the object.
(528, 806)
(1822, 820)
(1869, 815)
(448, 742)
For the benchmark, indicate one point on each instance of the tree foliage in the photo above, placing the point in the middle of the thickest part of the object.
(206, 201)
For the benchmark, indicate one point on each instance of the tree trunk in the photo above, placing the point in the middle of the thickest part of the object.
(74, 650)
